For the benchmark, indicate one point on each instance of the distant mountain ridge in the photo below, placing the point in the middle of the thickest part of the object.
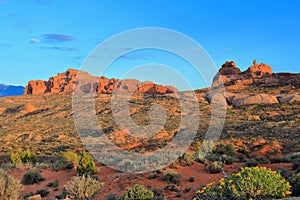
(11, 90)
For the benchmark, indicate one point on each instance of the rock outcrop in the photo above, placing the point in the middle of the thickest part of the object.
(256, 75)
(229, 68)
(64, 83)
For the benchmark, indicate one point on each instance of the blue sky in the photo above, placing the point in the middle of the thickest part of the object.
(39, 38)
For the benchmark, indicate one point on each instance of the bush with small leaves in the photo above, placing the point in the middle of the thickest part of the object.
(86, 164)
(71, 157)
(251, 163)
(191, 179)
(43, 192)
(244, 150)
(31, 177)
(215, 167)
(53, 184)
(224, 149)
(9, 187)
(82, 187)
(138, 192)
(295, 184)
(187, 159)
(113, 196)
(23, 157)
(249, 183)
(171, 177)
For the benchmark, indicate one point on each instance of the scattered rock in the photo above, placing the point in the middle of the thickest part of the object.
(29, 108)
(288, 98)
(35, 197)
(256, 99)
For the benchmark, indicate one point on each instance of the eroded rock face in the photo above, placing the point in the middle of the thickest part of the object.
(255, 99)
(229, 68)
(65, 82)
(259, 75)
(259, 69)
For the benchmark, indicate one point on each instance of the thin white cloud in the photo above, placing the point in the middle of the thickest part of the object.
(34, 40)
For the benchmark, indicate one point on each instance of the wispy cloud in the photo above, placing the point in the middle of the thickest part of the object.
(60, 48)
(34, 40)
(143, 56)
(57, 38)
(226, 49)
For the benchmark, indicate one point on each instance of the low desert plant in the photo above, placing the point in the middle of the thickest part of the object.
(251, 163)
(86, 164)
(187, 159)
(171, 177)
(23, 157)
(295, 183)
(31, 177)
(249, 183)
(191, 179)
(112, 196)
(226, 149)
(71, 157)
(9, 187)
(215, 167)
(53, 184)
(138, 192)
(43, 192)
(82, 187)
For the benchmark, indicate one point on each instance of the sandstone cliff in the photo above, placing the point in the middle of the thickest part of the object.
(64, 83)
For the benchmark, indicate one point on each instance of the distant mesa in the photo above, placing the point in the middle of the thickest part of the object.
(64, 83)
(10, 90)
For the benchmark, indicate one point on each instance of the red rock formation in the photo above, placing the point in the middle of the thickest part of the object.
(259, 69)
(228, 68)
(36, 87)
(255, 75)
(64, 83)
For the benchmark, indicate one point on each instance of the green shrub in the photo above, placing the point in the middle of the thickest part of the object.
(82, 187)
(203, 161)
(28, 195)
(86, 164)
(295, 184)
(23, 157)
(62, 164)
(43, 192)
(153, 175)
(284, 159)
(262, 160)
(32, 177)
(215, 167)
(71, 157)
(112, 196)
(244, 150)
(62, 195)
(138, 192)
(171, 177)
(251, 163)
(249, 183)
(191, 179)
(53, 184)
(9, 187)
(187, 159)
(224, 149)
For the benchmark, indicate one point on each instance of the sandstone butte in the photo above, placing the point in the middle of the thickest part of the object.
(64, 83)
